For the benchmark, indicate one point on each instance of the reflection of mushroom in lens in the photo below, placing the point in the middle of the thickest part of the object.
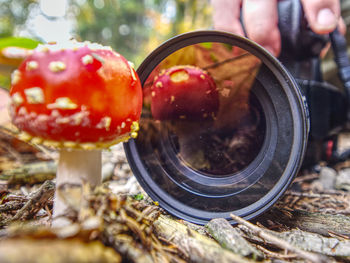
(80, 97)
(186, 97)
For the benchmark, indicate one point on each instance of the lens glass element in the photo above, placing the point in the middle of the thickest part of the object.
(201, 113)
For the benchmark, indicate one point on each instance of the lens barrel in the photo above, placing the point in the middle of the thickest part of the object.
(224, 127)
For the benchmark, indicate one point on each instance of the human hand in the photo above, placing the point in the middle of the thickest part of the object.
(260, 18)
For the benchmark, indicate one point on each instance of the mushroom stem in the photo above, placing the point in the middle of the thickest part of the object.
(75, 167)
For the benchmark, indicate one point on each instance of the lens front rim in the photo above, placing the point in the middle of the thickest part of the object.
(300, 129)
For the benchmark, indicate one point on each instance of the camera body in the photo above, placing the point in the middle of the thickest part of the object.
(242, 155)
(327, 104)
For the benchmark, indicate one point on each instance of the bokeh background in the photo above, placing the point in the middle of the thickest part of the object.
(132, 27)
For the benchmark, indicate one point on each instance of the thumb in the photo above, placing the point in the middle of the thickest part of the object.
(322, 16)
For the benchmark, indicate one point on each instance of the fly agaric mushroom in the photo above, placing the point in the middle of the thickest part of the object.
(80, 97)
(184, 92)
(187, 96)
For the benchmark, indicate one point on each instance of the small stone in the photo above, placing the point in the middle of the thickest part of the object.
(327, 178)
(343, 180)
(107, 171)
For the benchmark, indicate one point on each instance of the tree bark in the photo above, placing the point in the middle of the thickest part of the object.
(320, 223)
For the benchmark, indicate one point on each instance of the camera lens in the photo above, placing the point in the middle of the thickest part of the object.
(223, 129)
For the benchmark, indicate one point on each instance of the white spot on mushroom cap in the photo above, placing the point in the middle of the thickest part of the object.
(87, 59)
(57, 66)
(62, 120)
(34, 95)
(15, 77)
(42, 118)
(72, 44)
(17, 99)
(55, 113)
(79, 117)
(31, 65)
(22, 111)
(159, 84)
(63, 103)
(105, 123)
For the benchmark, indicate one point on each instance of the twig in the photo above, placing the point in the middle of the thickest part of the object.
(12, 151)
(214, 65)
(30, 173)
(10, 206)
(304, 178)
(124, 244)
(276, 255)
(37, 201)
(279, 242)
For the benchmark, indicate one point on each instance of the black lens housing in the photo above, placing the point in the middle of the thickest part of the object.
(199, 198)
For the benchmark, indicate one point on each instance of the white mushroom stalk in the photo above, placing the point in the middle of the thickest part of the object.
(75, 167)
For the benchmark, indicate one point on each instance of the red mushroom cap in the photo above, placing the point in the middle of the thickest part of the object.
(79, 94)
(184, 92)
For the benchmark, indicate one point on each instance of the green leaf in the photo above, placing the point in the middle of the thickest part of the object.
(228, 46)
(207, 45)
(138, 197)
(18, 42)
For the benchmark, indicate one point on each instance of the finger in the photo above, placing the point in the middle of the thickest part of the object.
(342, 26)
(260, 19)
(226, 14)
(322, 16)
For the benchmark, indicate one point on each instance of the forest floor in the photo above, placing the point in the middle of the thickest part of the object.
(117, 222)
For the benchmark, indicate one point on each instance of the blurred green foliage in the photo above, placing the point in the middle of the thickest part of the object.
(135, 28)
(13, 14)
